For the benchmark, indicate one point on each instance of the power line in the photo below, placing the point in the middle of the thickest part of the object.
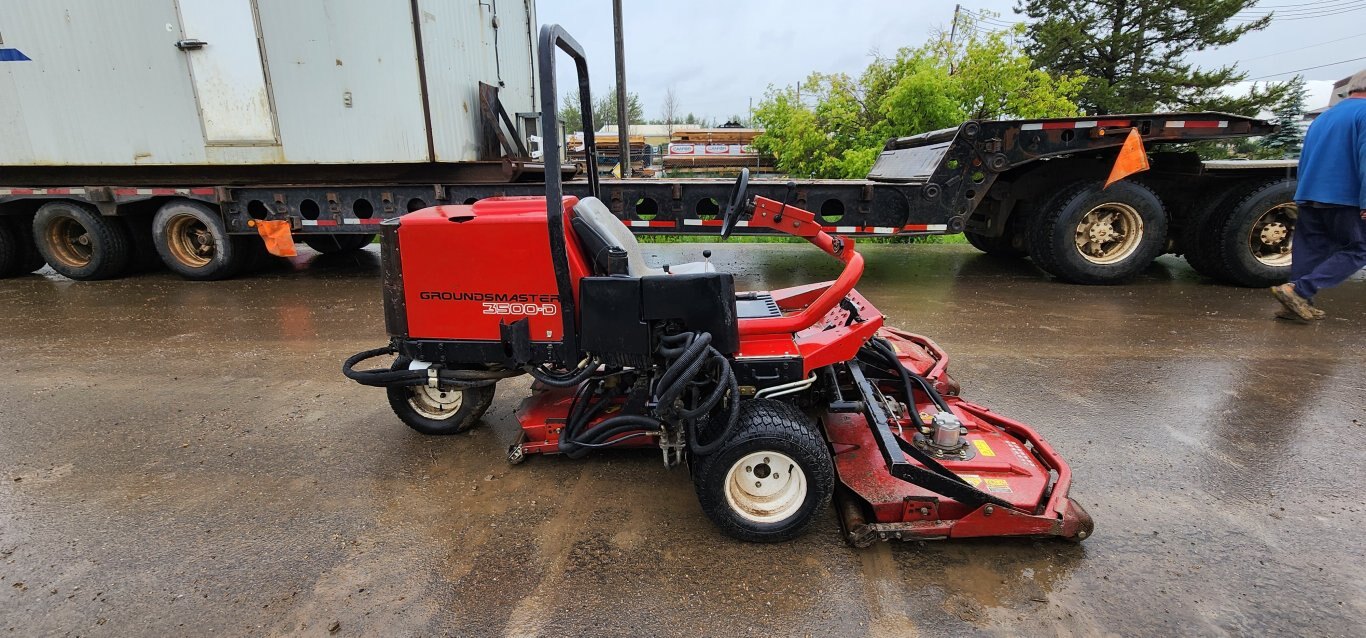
(1311, 68)
(1308, 14)
(1270, 55)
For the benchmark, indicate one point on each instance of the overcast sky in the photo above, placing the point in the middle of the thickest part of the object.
(717, 55)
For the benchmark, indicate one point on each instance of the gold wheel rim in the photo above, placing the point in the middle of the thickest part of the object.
(70, 242)
(1272, 233)
(190, 241)
(1109, 233)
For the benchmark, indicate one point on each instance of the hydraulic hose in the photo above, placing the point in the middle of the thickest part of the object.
(383, 378)
(570, 380)
(688, 355)
(885, 356)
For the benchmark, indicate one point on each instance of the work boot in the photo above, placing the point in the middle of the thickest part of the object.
(1284, 313)
(1285, 293)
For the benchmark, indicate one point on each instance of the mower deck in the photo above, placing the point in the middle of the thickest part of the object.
(1025, 480)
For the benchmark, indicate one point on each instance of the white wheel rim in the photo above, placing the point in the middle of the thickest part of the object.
(435, 403)
(765, 487)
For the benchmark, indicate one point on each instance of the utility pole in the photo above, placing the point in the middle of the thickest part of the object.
(953, 32)
(623, 125)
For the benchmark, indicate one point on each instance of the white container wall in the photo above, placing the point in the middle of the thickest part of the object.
(243, 82)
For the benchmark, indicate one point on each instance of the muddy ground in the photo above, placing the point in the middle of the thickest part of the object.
(180, 458)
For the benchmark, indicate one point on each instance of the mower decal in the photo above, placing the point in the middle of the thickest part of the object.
(983, 447)
(13, 55)
(975, 480)
(998, 485)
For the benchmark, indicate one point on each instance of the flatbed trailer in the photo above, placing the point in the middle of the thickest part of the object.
(1016, 187)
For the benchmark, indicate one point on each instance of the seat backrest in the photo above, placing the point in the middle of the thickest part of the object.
(599, 220)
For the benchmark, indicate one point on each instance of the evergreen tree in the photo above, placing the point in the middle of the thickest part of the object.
(1289, 138)
(1134, 52)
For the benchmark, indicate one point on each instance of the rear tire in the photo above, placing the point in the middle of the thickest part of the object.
(1197, 239)
(79, 243)
(1087, 234)
(1010, 244)
(333, 244)
(193, 242)
(9, 249)
(1253, 238)
(438, 411)
(771, 479)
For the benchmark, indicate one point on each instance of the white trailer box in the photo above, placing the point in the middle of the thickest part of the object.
(256, 82)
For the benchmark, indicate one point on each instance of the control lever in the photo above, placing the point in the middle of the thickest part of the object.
(791, 190)
(706, 257)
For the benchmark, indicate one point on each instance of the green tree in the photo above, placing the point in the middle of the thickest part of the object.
(1133, 52)
(1289, 138)
(604, 110)
(834, 126)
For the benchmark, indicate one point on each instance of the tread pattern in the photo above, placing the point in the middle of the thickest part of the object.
(109, 235)
(1199, 230)
(1048, 254)
(776, 425)
(9, 249)
(1225, 243)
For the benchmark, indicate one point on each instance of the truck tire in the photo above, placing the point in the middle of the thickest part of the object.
(333, 244)
(9, 249)
(1088, 234)
(1010, 244)
(771, 479)
(193, 242)
(1253, 238)
(1199, 230)
(79, 243)
(438, 411)
(143, 255)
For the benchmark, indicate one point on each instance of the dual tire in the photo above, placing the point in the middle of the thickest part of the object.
(1243, 235)
(1090, 234)
(18, 254)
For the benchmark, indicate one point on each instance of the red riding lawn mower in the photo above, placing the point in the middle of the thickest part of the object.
(775, 400)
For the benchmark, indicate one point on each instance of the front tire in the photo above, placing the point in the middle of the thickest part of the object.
(771, 479)
(194, 243)
(438, 411)
(79, 243)
(1088, 234)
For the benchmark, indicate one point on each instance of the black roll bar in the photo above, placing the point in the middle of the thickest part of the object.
(553, 37)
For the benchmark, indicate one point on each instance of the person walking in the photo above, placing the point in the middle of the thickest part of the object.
(1330, 233)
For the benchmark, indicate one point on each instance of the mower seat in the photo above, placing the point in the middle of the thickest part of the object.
(598, 230)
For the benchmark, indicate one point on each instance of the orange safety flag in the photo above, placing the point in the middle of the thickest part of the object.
(1132, 158)
(276, 235)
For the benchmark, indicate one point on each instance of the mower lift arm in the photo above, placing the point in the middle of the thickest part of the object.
(800, 223)
(933, 476)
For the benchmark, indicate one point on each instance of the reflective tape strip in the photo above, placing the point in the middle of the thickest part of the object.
(640, 223)
(162, 191)
(708, 222)
(1031, 126)
(309, 222)
(883, 230)
(1176, 124)
(845, 229)
(924, 227)
(1086, 124)
(42, 191)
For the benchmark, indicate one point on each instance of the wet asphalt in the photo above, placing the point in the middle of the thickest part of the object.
(181, 458)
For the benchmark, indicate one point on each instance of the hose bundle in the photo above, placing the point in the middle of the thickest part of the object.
(689, 354)
(879, 352)
(384, 377)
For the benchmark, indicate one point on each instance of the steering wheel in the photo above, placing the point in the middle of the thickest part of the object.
(735, 206)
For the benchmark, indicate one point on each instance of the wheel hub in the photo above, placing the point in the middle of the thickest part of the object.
(1109, 233)
(190, 241)
(766, 487)
(1272, 235)
(435, 403)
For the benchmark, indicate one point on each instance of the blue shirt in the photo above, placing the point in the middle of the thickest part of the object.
(1333, 163)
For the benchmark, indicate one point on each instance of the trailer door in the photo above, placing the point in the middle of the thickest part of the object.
(220, 39)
